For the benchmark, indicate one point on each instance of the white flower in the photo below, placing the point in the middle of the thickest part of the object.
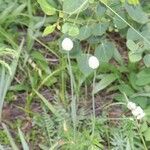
(131, 105)
(137, 111)
(140, 116)
(93, 62)
(67, 44)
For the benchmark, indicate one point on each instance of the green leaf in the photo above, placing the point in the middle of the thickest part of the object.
(23, 141)
(118, 22)
(135, 57)
(143, 77)
(47, 103)
(46, 7)
(132, 35)
(85, 32)
(117, 56)
(99, 29)
(147, 60)
(147, 134)
(83, 64)
(100, 10)
(134, 2)
(105, 51)
(49, 29)
(137, 14)
(70, 29)
(11, 139)
(107, 80)
(74, 6)
(132, 45)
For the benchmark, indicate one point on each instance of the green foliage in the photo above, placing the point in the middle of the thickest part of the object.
(59, 82)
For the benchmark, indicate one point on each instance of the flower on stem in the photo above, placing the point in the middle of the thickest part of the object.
(67, 44)
(93, 62)
(137, 111)
(131, 105)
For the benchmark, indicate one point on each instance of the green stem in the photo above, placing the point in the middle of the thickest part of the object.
(73, 100)
(93, 105)
(146, 40)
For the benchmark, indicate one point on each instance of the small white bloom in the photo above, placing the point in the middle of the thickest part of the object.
(93, 62)
(131, 105)
(67, 44)
(137, 111)
(140, 116)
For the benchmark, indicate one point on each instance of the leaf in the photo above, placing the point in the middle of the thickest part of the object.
(12, 142)
(23, 141)
(107, 80)
(105, 51)
(49, 29)
(100, 28)
(132, 45)
(147, 134)
(117, 56)
(135, 57)
(147, 60)
(137, 14)
(134, 2)
(143, 77)
(85, 32)
(100, 10)
(70, 29)
(46, 7)
(118, 22)
(74, 6)
(83, 64)
(132, 35)
(47, 103)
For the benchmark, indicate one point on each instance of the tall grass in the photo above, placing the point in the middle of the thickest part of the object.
(7, 77)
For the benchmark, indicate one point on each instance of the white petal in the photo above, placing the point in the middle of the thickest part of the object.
(137, 111)
(131, 105)
(93, 62)
(67, 44)
(140, 116)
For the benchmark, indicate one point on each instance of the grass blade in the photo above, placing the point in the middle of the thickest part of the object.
(23, 141)
(12, 142)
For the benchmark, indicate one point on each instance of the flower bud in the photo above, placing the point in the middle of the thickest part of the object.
(131, 105)
(93, 62)
(140, 116)
(137, 111)
(67, 44)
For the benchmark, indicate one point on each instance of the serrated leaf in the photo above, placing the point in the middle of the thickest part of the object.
(49, 29)
(107, 80)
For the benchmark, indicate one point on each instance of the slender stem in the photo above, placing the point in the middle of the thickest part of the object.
(93, 105)
(73, 100)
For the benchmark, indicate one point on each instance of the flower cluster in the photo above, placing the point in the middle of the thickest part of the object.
(137, 111)
(67, 45)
